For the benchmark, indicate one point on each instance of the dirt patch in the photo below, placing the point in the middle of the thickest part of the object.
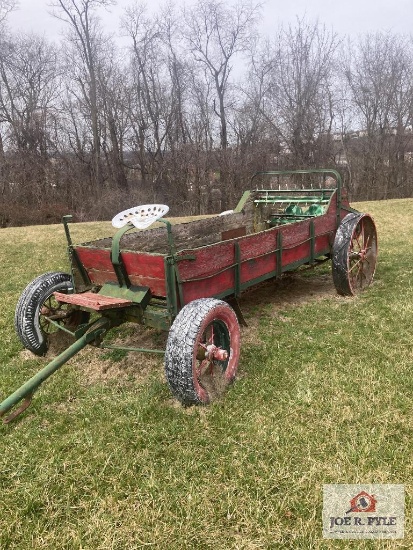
(135, 367)
(107, 365)
(26, 355)
(272, 298)
(289, 291)
(58, 342)
(102, 366)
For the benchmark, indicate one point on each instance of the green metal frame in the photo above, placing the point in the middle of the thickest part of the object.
(74, 261)
(320, 171)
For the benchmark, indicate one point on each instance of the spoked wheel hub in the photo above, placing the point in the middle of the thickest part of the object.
(55, 313)
(216, 354)
(61, 313)
(209, 355)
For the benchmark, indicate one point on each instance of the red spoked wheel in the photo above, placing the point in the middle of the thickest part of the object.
(202, 351)
(354, 254)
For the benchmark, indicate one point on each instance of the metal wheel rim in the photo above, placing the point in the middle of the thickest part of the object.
(211, 375)
(362, 255)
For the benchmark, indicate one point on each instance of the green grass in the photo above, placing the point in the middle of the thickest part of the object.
(105, 459)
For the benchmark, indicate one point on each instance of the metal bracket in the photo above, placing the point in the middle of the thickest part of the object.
(233, 302)
(116, 259)
(19, 410)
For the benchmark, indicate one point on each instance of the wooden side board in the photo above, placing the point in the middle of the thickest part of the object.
(143, 269)
(214, 269)
(214, 255)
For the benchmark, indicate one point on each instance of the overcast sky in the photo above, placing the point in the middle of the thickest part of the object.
(346, 17)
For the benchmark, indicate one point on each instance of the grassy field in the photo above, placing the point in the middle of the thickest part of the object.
(105, 459)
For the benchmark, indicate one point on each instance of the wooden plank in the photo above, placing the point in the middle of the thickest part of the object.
(144, 265)
(206, 288)
(234, 233)
(98, 259)
(156, 286)
(208, 260)
(91, 300)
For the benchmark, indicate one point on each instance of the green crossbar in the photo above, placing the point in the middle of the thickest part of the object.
(291, 200)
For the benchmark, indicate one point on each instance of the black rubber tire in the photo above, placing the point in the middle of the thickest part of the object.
(29, 320)
(189, 334)
(354, 254)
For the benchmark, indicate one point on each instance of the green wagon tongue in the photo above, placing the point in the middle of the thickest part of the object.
(91, 332)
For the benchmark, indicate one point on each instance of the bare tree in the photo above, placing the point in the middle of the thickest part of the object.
(299, 98)
(113, 90)
(87, 40)
(251, 123)
(28, 75)
(146, 101)
(160, 78)
(6, 6)
(378, 72)
(29, 81)
(215, 34)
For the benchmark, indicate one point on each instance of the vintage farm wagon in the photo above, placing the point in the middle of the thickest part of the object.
(186, 278)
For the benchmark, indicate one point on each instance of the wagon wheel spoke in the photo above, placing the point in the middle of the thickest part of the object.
(47, 311)
(367, 251)
(360, 264)
(358, 278)
(359, 270)
(355, 265)
(360, 236)
(45, 325)
(203, 368)
(364, 244)
(361, 276)
(370, 258)
(206, 354)
(211, 358)
(208, 340)
(356, 271)
(356, 237)
(53, 310)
